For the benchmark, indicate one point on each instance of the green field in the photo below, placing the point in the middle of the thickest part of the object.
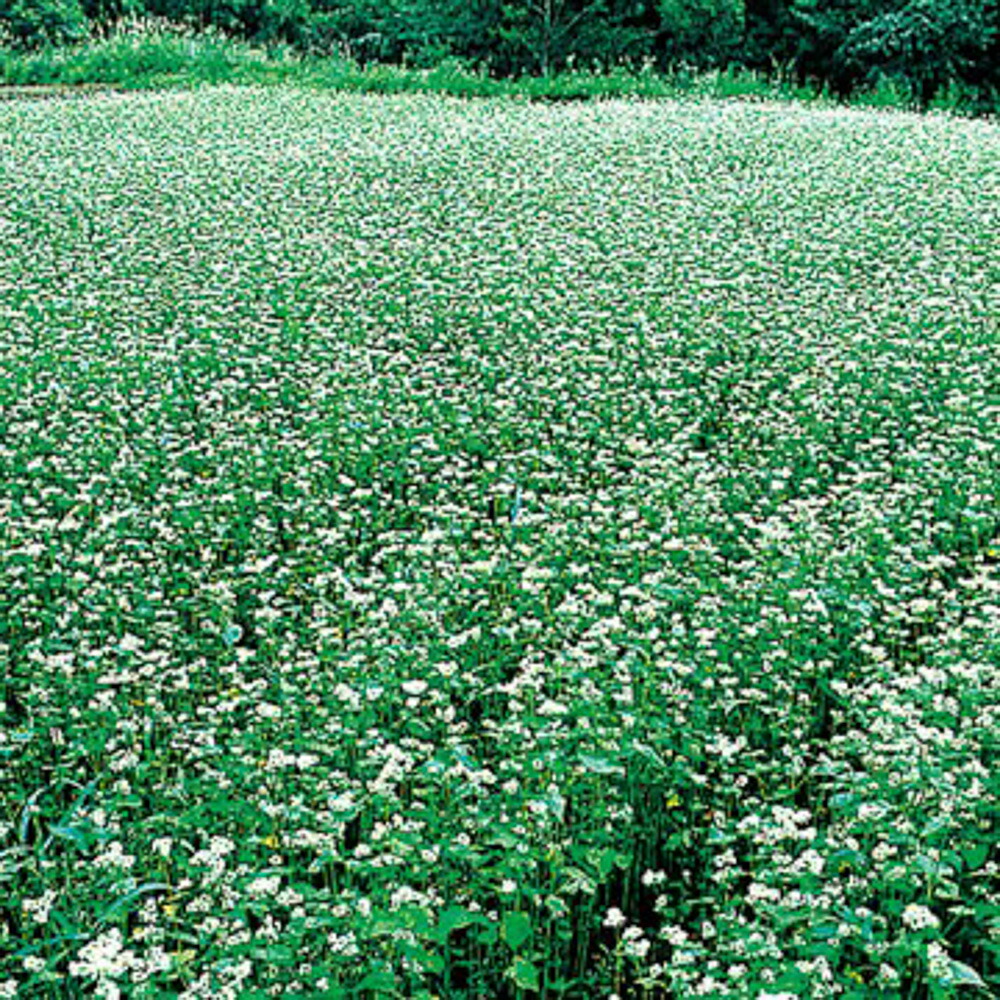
(487, 551)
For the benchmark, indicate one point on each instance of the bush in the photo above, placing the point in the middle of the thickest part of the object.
(917, 47)
(35, 24)
(701, 32)
(924, 47)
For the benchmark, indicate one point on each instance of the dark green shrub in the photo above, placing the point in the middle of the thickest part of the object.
(925, 46)
(700, 32)
(104, 15)
(544, 36)
(919, 46)
(36, 24)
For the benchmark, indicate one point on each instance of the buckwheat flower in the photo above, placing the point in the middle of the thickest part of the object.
(917, 917)
(810, 860)
(614, 918)
(162, 846)
(8, 989)
(33, 963)
(636, 945)
(550, 707)
(38, 909)
(414, 687)
(264, 885)
(114, 857)
(103, 957)
(938, 960)
(277, 759)
(221, 845)
(882, 851)
(887, 975)
(675, 935)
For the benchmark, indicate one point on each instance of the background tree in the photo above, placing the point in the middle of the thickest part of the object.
(920, 45)
(543, 36)
(700, 33)
(923, 46)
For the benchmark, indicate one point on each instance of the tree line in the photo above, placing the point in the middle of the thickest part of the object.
(919, 47)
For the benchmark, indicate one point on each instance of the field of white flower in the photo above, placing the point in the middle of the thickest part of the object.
(472, 550)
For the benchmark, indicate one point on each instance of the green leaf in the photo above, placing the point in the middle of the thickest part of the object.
(516, 928)
(524, 974)
(456, 917)
(975, 856)
(381, 979)
(960, 974)
(600, 765)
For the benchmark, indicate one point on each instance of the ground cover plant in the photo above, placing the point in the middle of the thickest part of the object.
(470, 549)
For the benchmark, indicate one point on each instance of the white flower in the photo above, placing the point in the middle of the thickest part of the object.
(162, 846)
(264, 885)
(917, 917)
(114, 857)
(636, 946)
(130, 643)
(38, 909)
(414, 688)
(887, 974)
(677, 936)
(614, 918)
(104, 957)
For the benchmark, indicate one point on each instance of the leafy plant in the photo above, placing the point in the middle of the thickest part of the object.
(36, 24)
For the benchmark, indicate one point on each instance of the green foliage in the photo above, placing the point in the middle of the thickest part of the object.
(543, 36)
(413, 31)
(35, 24)
(920, 46)
(701, 32)
(144, 54)
(924, 45)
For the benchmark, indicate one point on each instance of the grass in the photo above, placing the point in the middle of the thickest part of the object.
(479, 549)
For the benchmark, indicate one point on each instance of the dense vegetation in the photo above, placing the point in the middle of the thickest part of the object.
(488, 550)
(918, 48)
